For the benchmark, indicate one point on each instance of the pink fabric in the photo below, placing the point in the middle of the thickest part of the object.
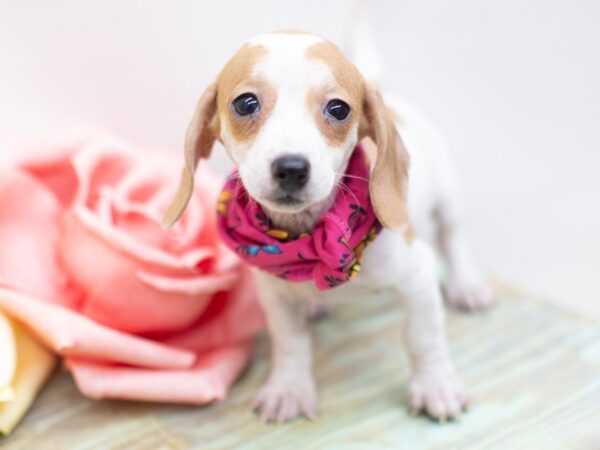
(330, 255)
(137, 312)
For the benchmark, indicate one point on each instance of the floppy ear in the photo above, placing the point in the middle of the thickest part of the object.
(199, 139)
(388, 184)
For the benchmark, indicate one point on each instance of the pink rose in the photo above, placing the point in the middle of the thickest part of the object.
(137, 311)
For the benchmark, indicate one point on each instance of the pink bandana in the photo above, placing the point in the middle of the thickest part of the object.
(330, 255)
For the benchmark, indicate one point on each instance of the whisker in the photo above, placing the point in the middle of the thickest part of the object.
(347, 189)
(352, 176)
(232, 177)
(343, 191)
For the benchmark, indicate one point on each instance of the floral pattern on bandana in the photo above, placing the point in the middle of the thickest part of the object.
(330, 255)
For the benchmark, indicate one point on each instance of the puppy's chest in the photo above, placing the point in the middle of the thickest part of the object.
(367, 283)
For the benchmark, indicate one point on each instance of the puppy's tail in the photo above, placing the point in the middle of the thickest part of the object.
(360, 44)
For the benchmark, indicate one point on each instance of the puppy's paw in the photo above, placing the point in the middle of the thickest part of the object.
(440, 394)
(317, 311)
(284, 398)
(469, 294)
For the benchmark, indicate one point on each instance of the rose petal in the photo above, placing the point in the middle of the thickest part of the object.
(29, 221)
(114, 295)
(239, 319)
(95, 230)
(208, 380)
(145, 187)
(102, 162)
(201, 285)
(226, 258)
(48, 161)
(135, 212)
(69, 333)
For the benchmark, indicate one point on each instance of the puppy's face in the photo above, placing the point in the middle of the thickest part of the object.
(289, 107)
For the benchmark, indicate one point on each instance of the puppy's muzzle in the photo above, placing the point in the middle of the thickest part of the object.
(291, 173)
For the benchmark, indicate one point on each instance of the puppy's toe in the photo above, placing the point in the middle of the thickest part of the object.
(440, 394)
(281, 402)
(308, 407)
(469, 295)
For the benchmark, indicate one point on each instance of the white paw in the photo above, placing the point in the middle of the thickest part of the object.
(440, 394)
(470, 294)
(316, 311)
(285, 397)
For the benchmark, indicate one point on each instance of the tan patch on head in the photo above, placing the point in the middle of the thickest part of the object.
(348, 86)
(235, 79)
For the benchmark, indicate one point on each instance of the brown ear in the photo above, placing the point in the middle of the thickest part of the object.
(389, 178)
(199, 139)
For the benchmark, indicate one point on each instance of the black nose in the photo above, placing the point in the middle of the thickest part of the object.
(291, 172)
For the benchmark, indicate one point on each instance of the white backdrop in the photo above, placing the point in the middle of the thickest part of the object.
(512, 84)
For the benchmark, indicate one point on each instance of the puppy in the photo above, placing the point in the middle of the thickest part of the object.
(293, 101)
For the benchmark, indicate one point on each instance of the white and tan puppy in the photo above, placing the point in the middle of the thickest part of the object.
(291, 93)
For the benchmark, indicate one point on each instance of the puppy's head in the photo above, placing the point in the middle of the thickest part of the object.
(289, 109)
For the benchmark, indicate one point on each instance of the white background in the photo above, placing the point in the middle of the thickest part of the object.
(513, 84)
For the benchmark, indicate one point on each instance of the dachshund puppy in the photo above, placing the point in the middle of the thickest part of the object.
(297, 119)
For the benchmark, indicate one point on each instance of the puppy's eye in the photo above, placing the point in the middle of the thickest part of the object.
(246, 104)
(337, 109)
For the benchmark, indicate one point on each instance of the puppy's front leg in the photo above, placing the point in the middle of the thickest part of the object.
(290, 389)
(434, 386)
(409, 269)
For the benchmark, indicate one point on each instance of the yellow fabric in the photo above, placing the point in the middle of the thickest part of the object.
(24, 367)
